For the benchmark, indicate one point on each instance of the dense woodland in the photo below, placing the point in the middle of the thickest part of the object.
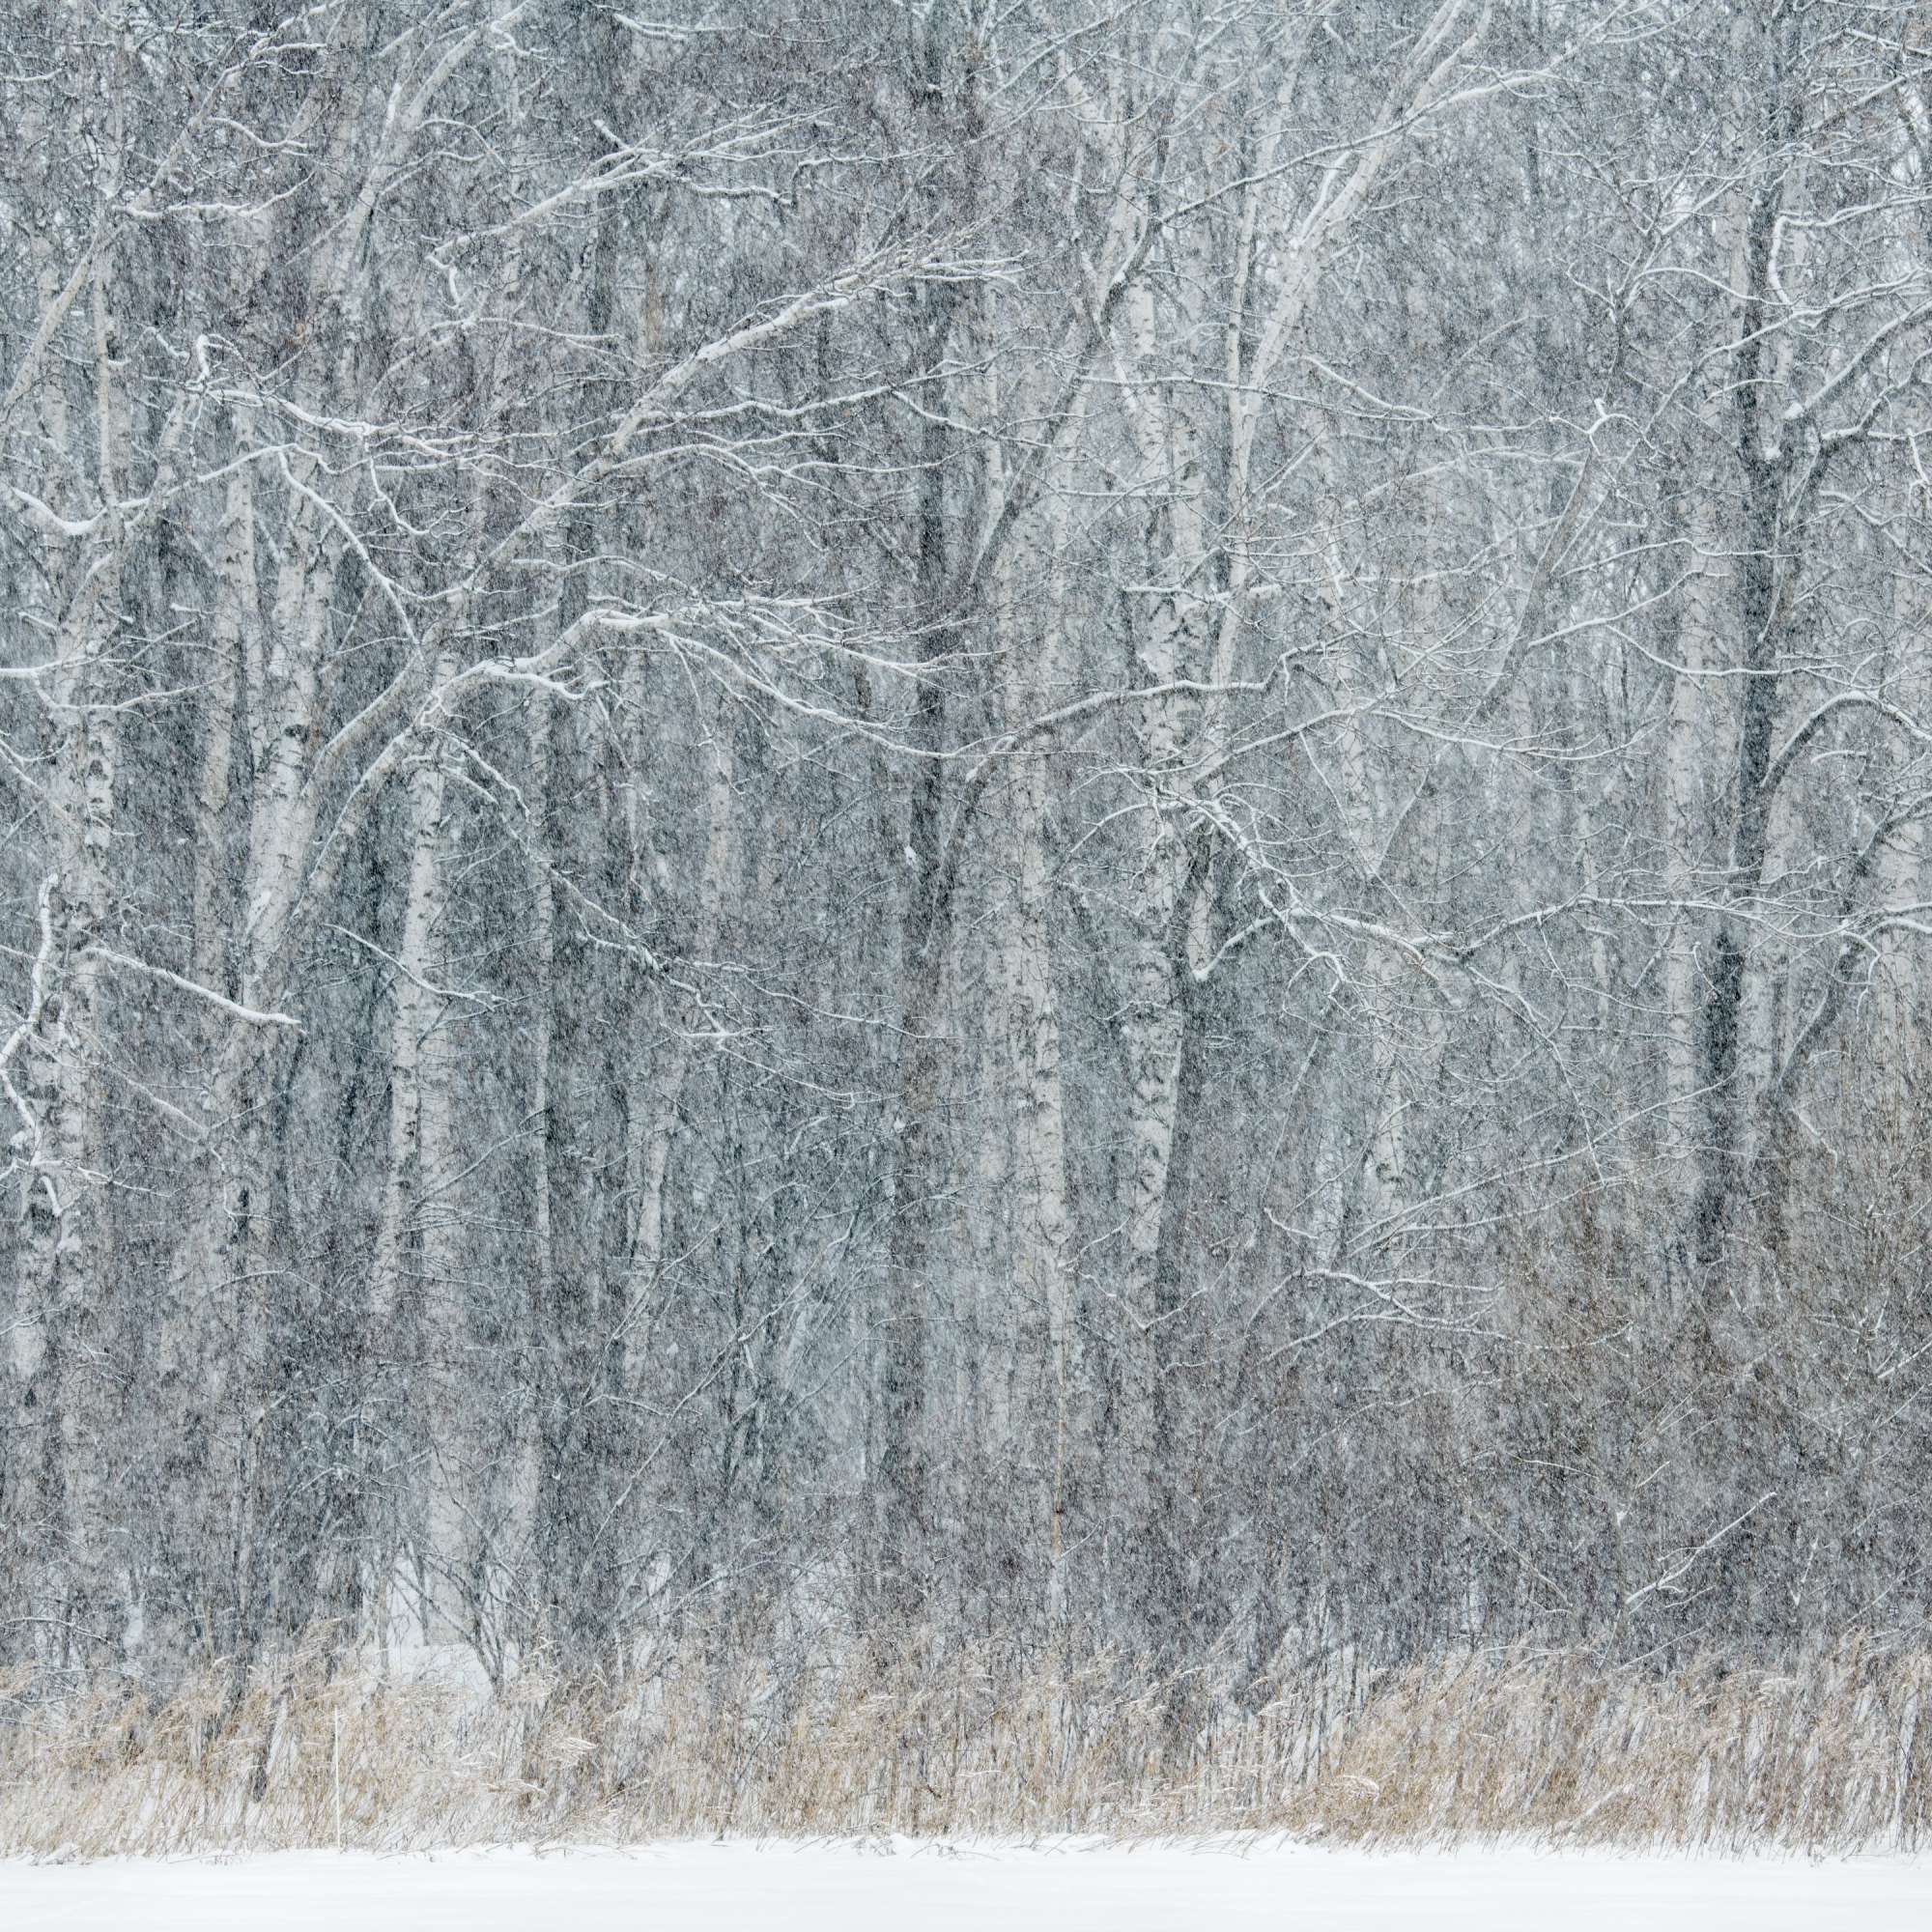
(1091, 822)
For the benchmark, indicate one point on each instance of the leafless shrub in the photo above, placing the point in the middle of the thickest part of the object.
(1558, 1747)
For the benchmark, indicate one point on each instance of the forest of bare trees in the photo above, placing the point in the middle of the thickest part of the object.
(1091, 822)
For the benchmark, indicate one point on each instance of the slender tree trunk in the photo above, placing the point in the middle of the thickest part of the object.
(69, 1274)
(412, 1310)
(904, 1502)
(1042, 1265)
(1763, 595)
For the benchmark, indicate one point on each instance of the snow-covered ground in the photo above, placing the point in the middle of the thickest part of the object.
(909, 1887)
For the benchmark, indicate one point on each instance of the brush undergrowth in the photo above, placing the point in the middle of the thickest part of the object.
(1834, 1754)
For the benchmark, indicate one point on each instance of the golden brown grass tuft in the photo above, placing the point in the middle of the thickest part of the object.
(1834, 1755)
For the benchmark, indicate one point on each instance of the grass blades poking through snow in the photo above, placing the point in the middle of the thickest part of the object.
(1832, 1755)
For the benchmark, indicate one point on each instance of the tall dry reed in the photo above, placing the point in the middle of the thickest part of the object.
(1836, 1754)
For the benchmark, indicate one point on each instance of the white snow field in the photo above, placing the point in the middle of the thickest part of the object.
(911, 1888)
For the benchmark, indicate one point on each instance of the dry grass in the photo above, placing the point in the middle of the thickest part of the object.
(1834, 1755)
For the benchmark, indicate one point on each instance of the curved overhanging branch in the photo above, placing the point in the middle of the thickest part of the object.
(249, 1015)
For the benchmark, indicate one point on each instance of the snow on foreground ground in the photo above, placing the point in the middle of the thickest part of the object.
(911, 1888)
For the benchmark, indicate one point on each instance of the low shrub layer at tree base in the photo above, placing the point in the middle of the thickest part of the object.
(1832, 1753)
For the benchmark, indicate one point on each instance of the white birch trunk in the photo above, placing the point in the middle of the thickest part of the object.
(68, 1259)
(413, 1249)
(684, 1018)
(235, 615)
(1167, 647)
